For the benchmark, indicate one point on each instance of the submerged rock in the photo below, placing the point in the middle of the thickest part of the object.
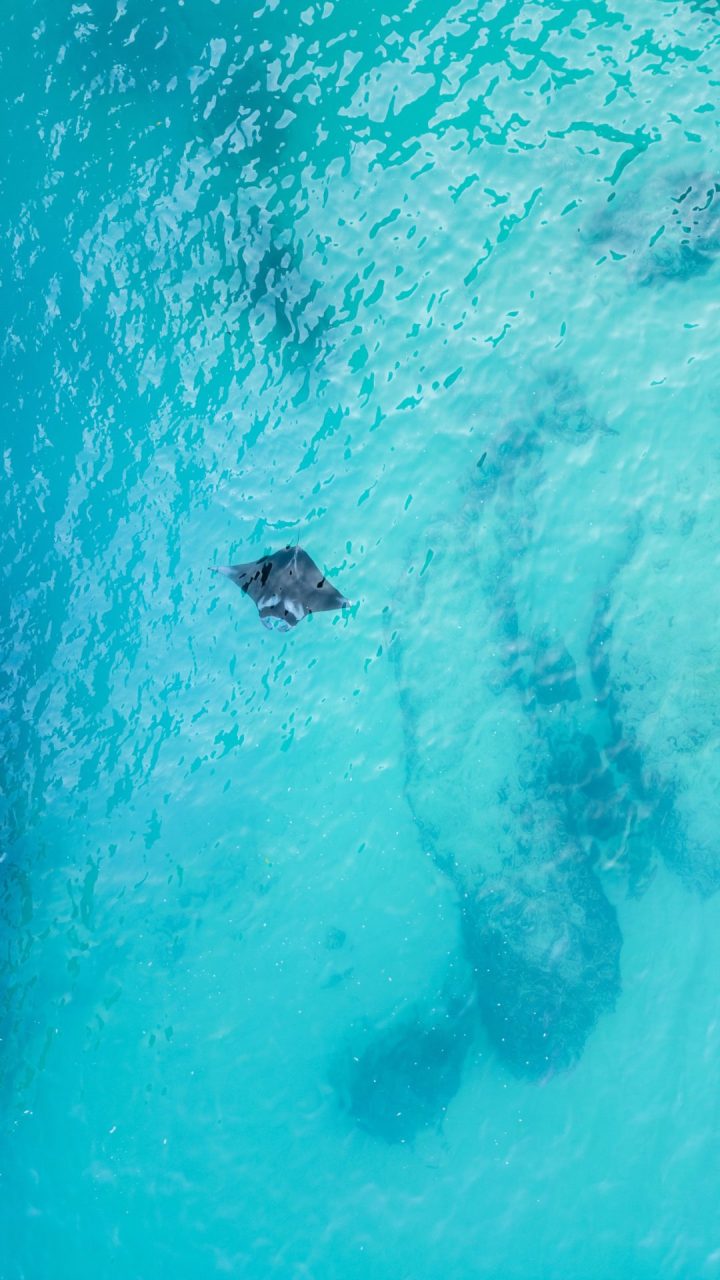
(545, 945)
(655, 670)
(499, 803)
(554, 678)
(405, 1077)
(666, 223)
(561, 409)
(581, 779)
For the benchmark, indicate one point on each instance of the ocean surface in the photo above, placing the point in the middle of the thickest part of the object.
(387, 948)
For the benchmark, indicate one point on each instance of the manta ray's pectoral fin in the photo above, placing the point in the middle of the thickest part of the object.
(243, 575)
(322, 596)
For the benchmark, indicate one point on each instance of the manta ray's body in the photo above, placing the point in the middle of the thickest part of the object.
(286, 585)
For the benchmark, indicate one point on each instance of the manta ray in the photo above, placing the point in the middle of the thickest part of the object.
(286, 585)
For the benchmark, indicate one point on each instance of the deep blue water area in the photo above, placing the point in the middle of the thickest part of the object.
(385, 948)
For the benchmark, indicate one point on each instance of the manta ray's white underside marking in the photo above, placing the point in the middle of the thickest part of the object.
(296, 610)
(267, 602)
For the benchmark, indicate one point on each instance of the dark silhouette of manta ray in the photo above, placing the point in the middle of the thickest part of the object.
(286, 585)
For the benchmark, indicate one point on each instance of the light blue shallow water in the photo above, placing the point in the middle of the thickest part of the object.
(387, 948)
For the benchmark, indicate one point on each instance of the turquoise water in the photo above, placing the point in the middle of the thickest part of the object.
(387, 948)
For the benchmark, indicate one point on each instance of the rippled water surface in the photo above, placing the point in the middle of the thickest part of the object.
(388, 947)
